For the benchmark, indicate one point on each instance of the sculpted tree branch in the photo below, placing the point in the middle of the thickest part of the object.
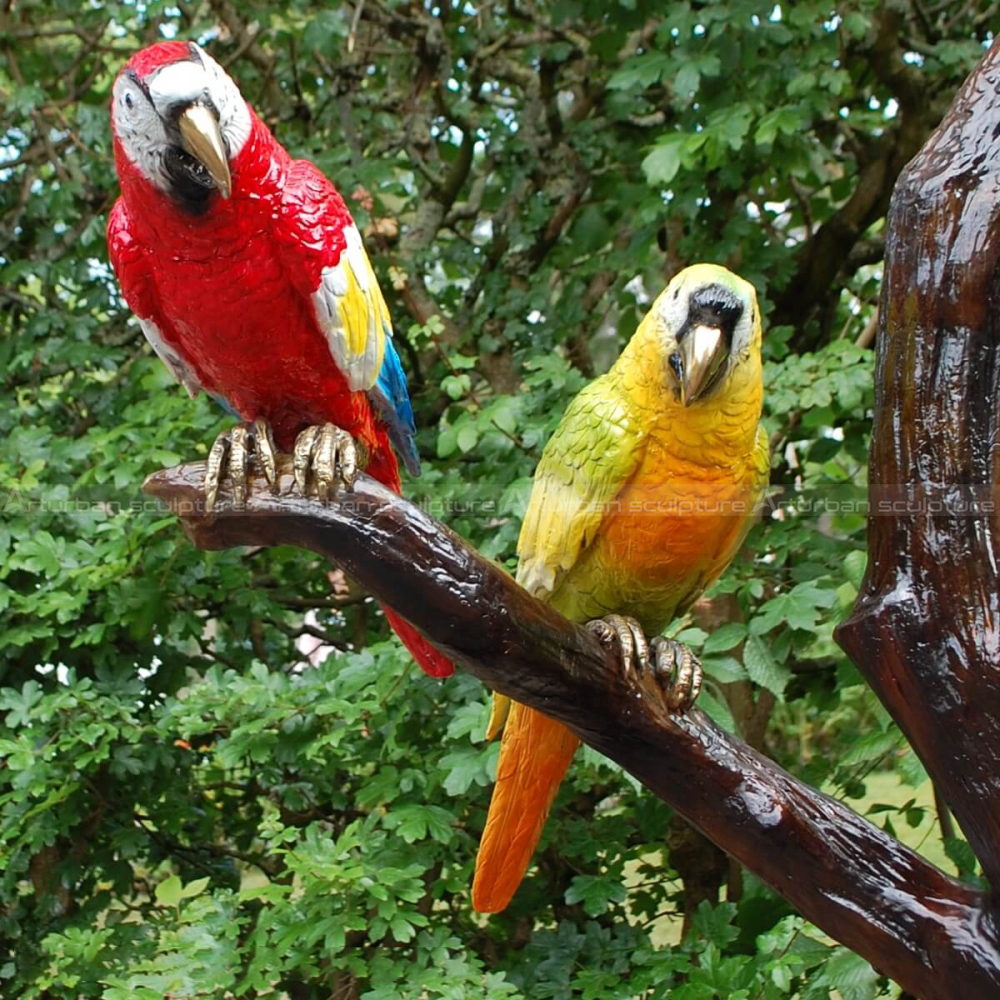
(925, 629)
(843, 873)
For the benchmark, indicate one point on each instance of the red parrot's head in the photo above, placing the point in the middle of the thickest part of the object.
(179, 121)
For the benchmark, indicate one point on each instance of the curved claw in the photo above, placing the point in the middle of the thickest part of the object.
(628, 634)
(678, 671)
(302, 457)
(213, 469)
(238, 462)
(330, 455)
(265, 450)
(230, 457)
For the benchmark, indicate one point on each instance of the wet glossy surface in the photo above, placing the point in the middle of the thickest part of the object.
(847, 876)
(926, 628)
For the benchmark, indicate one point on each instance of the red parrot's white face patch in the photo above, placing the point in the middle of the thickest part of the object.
(144, 110)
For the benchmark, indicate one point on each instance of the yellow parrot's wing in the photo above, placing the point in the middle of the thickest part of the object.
(593, 453)
(762, 457)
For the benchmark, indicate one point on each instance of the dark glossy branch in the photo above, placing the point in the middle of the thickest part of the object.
(926, 628)
(844, 874)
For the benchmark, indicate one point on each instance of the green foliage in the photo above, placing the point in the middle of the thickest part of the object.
(192, 804)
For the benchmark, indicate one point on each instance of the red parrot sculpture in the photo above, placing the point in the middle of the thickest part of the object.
(250, 280)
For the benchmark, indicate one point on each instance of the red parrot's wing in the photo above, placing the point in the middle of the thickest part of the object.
(132, 268)
(325, 258)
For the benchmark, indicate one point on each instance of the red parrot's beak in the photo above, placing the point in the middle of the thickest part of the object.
(702, 354)
(202, 138)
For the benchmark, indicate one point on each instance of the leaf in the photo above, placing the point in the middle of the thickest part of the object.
(465, 766)
(194, 888)
(872, 746)
(456, 386)
(688, 77)
(170, 891)
(725, 669)
(718, 711)
(640, 71)
(414, 822)
(19, 704)
(715, 923)
(38, 554)
(854, 566)
(960, 854)
(851, 975)
(725, 637)
(661, 165)
(596, 892)
(780, 121)
(467, 437)
(911, 769)
(763, 668)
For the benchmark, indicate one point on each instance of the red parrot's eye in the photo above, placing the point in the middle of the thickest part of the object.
(128, 101)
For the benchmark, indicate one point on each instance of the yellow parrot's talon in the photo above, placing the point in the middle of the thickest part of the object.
(628, 635)
(499, 709)
(679, 672)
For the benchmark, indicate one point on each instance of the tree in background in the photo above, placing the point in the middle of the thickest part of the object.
(220, 777)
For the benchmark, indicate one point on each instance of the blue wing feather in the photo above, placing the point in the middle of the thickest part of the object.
(392, 403)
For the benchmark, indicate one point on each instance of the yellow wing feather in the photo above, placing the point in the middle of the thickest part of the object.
(591, 456)
(353, 315)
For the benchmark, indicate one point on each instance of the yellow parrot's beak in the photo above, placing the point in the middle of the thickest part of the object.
(202, 138)
(701, 354)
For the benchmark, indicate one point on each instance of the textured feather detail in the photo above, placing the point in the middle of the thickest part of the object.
(534, 756)
(130, 265)
(392, 403)
(430, 661)
(591, 456)
(176, 365)
(499, 710)
(352, 313)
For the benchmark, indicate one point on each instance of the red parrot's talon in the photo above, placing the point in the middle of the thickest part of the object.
(213, 470)
(678, 671)
(238, 463)
(302, 456)
(330, 455)
(230, 458)
(265, 450)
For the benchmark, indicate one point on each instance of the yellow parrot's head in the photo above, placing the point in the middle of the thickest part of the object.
(709, 322)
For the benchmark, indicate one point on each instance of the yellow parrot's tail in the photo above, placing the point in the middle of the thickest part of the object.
(534, 756)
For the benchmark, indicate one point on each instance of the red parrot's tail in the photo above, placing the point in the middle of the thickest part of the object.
(382, 466)
(428, 658)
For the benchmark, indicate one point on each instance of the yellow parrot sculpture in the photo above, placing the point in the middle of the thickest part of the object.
(641, 499)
